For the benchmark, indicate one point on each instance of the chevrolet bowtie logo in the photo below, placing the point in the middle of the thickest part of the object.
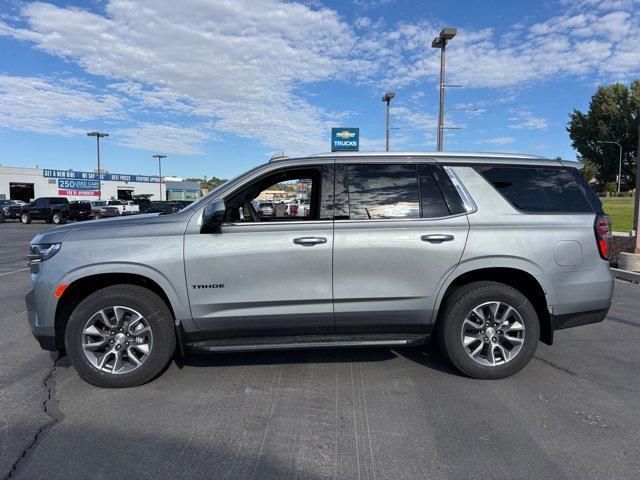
(345, 134)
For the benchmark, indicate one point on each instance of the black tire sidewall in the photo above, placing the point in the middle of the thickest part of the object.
(25, 218)
(58, 217)
(140, 299)
(456, 311)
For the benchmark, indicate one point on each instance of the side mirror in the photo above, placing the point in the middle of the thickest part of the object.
(213, 216)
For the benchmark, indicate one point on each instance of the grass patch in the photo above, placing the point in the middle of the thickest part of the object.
(621, 212)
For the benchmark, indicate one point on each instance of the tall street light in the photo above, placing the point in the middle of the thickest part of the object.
(387, 98)
(620, 161)
(440, 42)
(160, 157)
(98, 136)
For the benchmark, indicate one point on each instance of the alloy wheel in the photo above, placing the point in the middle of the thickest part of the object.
(117, 340)
(493, 333)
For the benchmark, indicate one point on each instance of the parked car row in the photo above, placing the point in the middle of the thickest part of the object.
(58, 210)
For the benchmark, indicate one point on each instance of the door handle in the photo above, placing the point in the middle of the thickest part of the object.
(436, 238)
(309, 241)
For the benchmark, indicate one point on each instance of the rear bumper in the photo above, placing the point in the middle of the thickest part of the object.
(577, 319)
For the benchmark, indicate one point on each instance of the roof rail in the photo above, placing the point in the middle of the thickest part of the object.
(277, 156)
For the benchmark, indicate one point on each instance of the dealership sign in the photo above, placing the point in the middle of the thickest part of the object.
(81, 188)
(106, 177)
(345, 139)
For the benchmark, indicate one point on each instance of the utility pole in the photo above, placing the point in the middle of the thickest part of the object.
(387, 98)
(160, 157)
(98, 136)
(636, 210)
(440, 42)
(619, 161)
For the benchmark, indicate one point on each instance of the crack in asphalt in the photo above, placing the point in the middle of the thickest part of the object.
(577, 375)
(50, 408)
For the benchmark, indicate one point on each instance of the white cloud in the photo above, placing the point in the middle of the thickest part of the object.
(163, 138)
(501, 140)
(237, 63)
(241, 67)
(53, 107)
(523, 119)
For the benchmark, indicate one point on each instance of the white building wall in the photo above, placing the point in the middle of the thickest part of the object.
(48, 187)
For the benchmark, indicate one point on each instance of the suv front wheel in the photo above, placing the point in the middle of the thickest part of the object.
(488, 330)
(120, 336)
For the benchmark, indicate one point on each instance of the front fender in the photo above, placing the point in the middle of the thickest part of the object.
(177, 299)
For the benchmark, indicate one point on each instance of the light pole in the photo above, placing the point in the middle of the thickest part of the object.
(160, 157)
(440, 42)
(98, 136)
(387, 98)
(619, 162)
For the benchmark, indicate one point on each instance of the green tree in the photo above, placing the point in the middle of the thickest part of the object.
(613, 115)
(208, 184)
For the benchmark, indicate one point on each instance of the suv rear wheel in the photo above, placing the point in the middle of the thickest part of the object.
(120, 336)
(488, 330)
(25, 218)
(57, 219)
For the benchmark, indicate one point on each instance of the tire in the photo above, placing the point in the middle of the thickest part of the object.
(157, 317)
(483, 297)
(1, 218)
(97, 216)
(25, 218)
(57, 219)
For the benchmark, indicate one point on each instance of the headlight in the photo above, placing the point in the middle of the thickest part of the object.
(41, 252)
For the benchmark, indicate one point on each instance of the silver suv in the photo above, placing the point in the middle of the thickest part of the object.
(487, 253)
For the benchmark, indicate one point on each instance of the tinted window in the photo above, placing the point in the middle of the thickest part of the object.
(454, 202)
(538, 189)
(432, 202)
(382, 191)
(58, 201)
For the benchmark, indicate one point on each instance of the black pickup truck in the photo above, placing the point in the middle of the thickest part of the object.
(80, 210)
(9, 210)
(50, 209)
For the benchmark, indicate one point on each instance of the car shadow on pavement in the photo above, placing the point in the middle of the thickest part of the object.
(426, 355)
(429, 356)
(277, 357)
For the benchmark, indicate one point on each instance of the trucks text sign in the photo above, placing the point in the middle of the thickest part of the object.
(345, 139)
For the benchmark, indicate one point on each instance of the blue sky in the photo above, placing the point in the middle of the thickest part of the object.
(220, 86)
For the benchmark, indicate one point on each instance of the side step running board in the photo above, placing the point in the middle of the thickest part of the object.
(252, 344)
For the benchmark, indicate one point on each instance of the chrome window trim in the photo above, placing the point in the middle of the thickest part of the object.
(468, 203)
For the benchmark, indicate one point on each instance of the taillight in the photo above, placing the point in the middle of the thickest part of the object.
(602, 228)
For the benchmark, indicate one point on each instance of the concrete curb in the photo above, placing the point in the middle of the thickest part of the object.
(626, 275)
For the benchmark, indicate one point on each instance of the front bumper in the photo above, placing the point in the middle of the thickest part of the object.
(45, 335)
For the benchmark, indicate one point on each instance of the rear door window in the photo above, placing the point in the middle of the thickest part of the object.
(432, 201)
(382, 192)
(538, 189)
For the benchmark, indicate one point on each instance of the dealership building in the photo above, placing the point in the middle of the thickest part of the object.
(26, 184)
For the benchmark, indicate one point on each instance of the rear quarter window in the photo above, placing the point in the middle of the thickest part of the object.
(539, 189)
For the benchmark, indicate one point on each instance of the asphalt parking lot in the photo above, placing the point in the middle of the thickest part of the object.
(574, 412)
